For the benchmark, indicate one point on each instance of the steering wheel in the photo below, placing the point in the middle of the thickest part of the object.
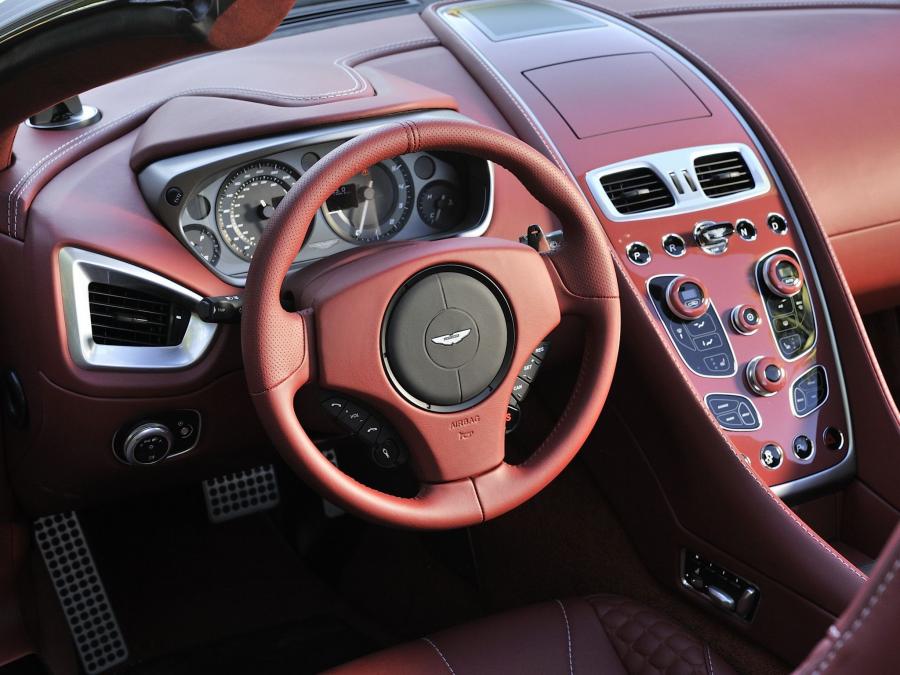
(431, 334)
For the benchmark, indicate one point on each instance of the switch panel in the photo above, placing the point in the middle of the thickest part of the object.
(792, 319)
(721, 588)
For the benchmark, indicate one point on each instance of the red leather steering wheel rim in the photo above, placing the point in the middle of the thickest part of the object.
(278, 353)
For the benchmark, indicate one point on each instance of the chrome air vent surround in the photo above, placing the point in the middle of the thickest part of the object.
(79, 270)
(678, 172)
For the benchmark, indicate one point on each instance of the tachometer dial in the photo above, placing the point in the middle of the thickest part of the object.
(248, 199)
(440, 205)
(204, 242)
(374, 204)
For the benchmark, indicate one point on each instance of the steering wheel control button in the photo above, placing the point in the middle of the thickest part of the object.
(734, 412)
(334, 406)
(353, 416)
(687, 298)
(447, 338)
(712, 237)
(833, 438)
(771, 456)
(745, 319)
(809, 391)
(765, 376)
(701, 341)
(777, 223)
(542, 350)
(673, 245)
(782, 275)
(803, 448)
(530, 369)
(371, 429)
(388, 453)
(520, 389)
(745, 229)
(513, 415)
(638, 252)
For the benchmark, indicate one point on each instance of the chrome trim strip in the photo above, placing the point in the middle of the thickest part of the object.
(666, 163)
(665, 325)
(847, 466)
(77, 269)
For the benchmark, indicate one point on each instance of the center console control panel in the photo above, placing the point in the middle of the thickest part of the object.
(735, 294)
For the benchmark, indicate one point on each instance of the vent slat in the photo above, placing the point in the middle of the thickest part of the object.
(128, 317)
(637, 190)
(723, 174)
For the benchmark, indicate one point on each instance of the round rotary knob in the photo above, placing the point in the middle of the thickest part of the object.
(745, 319)
(686, 298)
(765, 376)
(148, 443)
(783, 275)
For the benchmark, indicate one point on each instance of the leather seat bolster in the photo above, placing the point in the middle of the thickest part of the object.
(601, 633)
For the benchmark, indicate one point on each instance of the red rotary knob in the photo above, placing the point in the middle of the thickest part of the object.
(687, 299)
(766, 376)
(783, 275)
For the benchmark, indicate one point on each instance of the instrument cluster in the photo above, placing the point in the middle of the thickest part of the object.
(219, 202)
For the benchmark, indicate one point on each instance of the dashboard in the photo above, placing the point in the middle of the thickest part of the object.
(218, 201)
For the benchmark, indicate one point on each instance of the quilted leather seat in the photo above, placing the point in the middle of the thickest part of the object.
(599, 634)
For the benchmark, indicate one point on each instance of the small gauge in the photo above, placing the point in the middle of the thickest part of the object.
(203, 241)
(374, 205)
(440, 205)
(248, 199)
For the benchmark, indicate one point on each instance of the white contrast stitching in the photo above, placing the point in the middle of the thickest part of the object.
(860, 619)
(441, 654)
(709, 665)
(345, 63)
(568, 636)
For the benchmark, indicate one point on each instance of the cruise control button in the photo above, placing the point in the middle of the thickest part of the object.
(638, 253)
(529, 370)
(520, 389)
(803, 448)
(513, 415)
(771, 456)
(673, 245)
(745, 230)
(541, 350)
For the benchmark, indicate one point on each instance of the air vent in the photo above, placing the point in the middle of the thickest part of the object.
(127, 317)
(637, 190)
(723, 174)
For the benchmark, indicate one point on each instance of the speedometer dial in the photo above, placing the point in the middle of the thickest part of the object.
(374, 204)
(248, 199)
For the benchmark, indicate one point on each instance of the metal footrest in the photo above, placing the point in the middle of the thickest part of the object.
(241, 493)
(80, 590)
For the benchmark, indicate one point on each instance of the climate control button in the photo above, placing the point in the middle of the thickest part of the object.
(686, 298)
(745, 319)
(765, 376)
(782, 275)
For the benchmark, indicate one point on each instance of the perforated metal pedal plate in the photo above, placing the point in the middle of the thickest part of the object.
(241, 493)
(80, 590)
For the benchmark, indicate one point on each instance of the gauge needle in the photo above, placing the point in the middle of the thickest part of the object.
(368, 196)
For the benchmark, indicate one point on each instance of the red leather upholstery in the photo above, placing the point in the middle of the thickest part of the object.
(600, 634)
(864, 638)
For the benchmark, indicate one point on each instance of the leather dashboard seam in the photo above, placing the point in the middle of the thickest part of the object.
(346, 63)
(760, 6)
(639, 297)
